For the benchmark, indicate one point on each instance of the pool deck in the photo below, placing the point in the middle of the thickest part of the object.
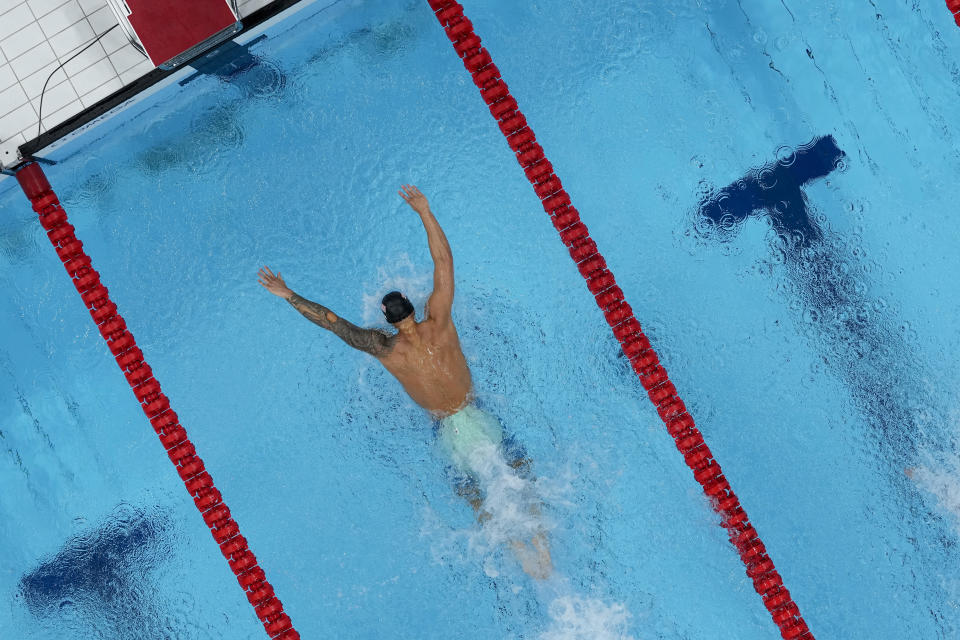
(36, 36)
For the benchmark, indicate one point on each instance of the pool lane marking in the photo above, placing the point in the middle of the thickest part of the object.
(156, 405)
(618, 314)
(777, 189)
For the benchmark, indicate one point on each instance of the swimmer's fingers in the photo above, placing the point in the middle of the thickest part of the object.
(270, 282)
(409, 191)
(416, 200)
(268, 275)
(408, 195)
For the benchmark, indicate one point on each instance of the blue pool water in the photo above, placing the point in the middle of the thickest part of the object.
(772, 184)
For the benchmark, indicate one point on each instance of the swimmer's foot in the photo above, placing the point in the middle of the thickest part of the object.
(536, 561)
(543, 554)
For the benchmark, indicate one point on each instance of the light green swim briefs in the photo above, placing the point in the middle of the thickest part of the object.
(465, 431)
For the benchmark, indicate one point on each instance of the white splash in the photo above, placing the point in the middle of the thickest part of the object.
(401, 275)
(511, 506)
(513, 512)
(578, 618)
(943, 482)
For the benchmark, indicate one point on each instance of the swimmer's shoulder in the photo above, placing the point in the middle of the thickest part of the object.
(389, 346)
(438, 329)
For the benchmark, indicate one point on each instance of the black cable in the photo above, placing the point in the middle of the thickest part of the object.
(44, 90)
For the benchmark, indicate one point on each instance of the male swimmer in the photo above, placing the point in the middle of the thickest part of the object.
(425, 357)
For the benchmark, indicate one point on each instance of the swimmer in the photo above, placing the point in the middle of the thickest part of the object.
(425, 357)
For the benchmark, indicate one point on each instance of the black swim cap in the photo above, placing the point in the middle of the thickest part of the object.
(395, 307)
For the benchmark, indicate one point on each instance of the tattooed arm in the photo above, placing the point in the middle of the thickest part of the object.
(372, 341)
(376, 343)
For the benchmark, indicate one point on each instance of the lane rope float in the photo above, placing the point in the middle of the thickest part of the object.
(156, 405)
(954, 7)
(609, 297)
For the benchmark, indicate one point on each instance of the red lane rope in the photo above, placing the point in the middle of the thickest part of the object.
(619, 315)
(954, 6)
(156, 405)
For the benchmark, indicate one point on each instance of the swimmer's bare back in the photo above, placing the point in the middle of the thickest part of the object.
(425, 357)
(429, 364)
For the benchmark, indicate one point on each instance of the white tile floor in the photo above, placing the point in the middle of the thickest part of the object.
(36, 36)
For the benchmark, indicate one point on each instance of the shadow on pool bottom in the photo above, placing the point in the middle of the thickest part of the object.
(99, 585)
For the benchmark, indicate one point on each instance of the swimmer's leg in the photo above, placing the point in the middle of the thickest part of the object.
(537, 564)
(541, 566)
(542, 546)
(534, 557)
(522, 466)
(468, 489)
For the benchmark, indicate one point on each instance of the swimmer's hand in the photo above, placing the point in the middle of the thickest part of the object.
(273, 283)
(416, 200)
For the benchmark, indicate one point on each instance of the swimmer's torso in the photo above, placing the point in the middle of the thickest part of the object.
(431, 367)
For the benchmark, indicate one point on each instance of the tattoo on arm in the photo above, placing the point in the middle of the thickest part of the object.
(372, 341)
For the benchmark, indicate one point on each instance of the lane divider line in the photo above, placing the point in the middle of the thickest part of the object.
(156, 405)
(609, 297)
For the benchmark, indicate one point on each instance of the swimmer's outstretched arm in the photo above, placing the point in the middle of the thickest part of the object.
(441, 300)
(371, 341)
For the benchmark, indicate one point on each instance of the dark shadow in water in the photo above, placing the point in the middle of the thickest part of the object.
(776, 190)
(98, 584)
(855, 335)
(219, 129)
(231, 62)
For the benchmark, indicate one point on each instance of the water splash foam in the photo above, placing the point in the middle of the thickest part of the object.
(511, 504)
(578, 618)
(400, 275)
(942, 481)
(513, 510)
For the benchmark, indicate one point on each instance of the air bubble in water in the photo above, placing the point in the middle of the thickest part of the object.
(723, 202)
(786, 156)
(766, 179)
